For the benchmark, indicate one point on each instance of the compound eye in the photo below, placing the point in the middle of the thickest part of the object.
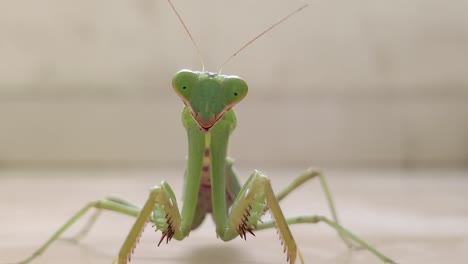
(235, 89)
(183, 83)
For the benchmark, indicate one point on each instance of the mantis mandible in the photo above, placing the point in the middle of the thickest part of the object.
(211, 185)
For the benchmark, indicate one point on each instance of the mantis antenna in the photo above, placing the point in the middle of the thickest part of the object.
(190, 35)
(261, 34)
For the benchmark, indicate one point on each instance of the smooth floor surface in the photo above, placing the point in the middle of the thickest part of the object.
(413, 217)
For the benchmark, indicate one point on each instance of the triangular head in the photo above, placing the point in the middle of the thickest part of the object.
(208, 95)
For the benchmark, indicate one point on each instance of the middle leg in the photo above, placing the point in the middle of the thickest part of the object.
(92, 220)
(310, 174)
(314, 219)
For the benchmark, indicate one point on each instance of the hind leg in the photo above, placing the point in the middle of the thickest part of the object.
(106, 204)
(310, 174)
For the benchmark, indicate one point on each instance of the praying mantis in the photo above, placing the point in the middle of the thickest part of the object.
(211, 185)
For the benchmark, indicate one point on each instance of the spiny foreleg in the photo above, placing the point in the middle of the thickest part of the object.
(161, 209)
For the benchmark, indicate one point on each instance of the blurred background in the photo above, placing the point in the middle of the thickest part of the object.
(375, 92)
(380, 84)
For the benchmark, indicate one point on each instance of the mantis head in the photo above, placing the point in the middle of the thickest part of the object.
(208, 95)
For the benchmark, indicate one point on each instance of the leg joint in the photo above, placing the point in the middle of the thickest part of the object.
(313, 171)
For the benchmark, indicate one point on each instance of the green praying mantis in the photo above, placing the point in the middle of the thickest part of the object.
(211, 185)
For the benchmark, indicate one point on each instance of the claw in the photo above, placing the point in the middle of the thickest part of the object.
(162, 238)
(245, 226)
(164, 221)
(251, 231)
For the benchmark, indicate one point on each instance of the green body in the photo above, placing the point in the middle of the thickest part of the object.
(209, 121)
(214, 176)
(211, 185)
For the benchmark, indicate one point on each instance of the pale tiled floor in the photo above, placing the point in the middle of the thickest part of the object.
(413, 217)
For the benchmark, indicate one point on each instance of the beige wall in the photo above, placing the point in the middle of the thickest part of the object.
(343, 83)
